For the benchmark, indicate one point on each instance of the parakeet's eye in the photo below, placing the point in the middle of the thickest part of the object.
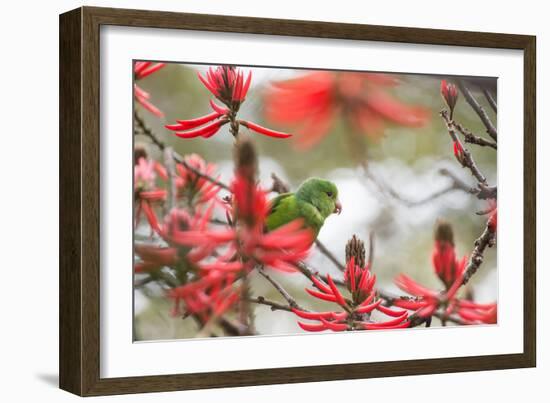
(329, 194)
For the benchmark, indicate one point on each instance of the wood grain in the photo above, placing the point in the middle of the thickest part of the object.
(80, 195)
(70, 271)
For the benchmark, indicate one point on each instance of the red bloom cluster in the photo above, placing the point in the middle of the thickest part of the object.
(142, 70)
(191, 186)
(209, 297)
(209, 293)
(229, 86)
(312, 103)
(356, 311)
(449, 93)
(190, 180)
(145, 190)
(450, 271)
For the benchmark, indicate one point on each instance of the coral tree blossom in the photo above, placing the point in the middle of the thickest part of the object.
(311, 103)
(229, 86)
(354, 311)
(450, 270)
(191, 185)
(208, 293)
(142, 70)
(209, 297)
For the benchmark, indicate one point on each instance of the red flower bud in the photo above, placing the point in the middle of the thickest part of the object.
(449, 93)
(458, 151)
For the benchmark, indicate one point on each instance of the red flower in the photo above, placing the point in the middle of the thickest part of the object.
(209, 297)
(446, 265)
(154, 257)
(355, 314)
(229, 86)
(142, 70)
(207, 293)
(144, 174)
(145, 191)
(473, 313)
(448, 268)
(426, 301)
(312, 103)
(449, 93)
(196, 188)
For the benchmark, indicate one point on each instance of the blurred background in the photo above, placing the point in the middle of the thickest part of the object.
(385, 176)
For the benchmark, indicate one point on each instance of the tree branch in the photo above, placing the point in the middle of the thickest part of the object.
(482, 192)
(471, 138)
(492, 101)
(291, 301)
(275, 306)
(478, 109)
(467, 160)
(487, 239)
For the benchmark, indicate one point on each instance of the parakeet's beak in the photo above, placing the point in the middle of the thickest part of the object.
(337, 207)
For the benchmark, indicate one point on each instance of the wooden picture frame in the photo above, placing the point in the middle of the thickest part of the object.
(80, 199)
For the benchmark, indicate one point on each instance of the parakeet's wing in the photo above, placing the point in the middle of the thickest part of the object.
(283, 210)
(286, 208)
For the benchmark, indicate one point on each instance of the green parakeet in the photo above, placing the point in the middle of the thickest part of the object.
(314, 201)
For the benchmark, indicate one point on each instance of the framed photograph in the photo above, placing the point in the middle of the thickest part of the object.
(250, 201)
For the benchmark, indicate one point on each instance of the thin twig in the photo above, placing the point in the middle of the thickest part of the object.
(324, 250)
(471, 138)
(487, 239)
(291, 301)
(146, 131)
(171, 171)
(142, 282)
(491, 130)
(467, 160)
(275, 306)
(370, 258)
(482, 192)
(490, 99)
